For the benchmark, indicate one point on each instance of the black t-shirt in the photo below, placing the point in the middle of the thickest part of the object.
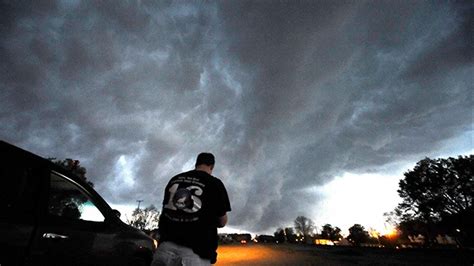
(193, 201)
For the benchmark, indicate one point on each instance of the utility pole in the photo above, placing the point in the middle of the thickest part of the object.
(139, 201)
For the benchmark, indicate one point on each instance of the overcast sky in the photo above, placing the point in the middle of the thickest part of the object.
(311, 108)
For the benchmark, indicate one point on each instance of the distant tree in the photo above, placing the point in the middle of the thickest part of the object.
(438, 197)
(145, 219)
(241, 237)
(74, 166)
(280, 235)
(393, 217)
(389, 241)
(304, 226)
(415, 227)
(407, 227)
(331, 233)
(266, 239)
(290, 235)
(358, 235)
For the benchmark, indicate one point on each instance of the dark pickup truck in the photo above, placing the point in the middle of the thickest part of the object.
(49, 216)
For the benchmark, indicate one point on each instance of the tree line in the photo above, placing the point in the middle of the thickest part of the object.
(304, 232)
(437, 199)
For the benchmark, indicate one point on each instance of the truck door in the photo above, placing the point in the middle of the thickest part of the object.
(19, 188)
(73, 230)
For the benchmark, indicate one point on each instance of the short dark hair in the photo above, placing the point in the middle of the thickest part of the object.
(205, 158)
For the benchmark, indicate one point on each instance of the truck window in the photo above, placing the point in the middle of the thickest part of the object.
(68, 200)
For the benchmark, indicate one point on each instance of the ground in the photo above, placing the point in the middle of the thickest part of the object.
(287, 254)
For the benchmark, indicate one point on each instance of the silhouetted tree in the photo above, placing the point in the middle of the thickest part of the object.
(266, 239)
(74, 166)
(413, 227)
(290, 235)
(358, 234)
(392, 217)
(304, 226)
(280, 235)
(389, 241)
(145, 219)
(241, 237)
(438, 197)
(328, 232)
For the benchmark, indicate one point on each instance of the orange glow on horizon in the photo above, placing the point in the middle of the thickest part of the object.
(232, 254)
(390, 231)
(266, 254)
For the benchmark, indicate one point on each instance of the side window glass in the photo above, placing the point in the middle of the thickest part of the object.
(68, 200)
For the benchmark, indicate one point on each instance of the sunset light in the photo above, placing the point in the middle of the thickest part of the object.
(390, 231)
(242, 254)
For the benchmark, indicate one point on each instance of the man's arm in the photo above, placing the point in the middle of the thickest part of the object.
(222, 221)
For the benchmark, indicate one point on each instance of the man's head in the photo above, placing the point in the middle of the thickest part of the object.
(205, 161)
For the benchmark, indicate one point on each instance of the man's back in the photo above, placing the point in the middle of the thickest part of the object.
(192, 204)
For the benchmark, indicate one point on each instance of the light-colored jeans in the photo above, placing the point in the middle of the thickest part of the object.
(172, 254)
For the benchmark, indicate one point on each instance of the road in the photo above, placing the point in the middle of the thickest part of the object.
(253, 254)
(273, 254)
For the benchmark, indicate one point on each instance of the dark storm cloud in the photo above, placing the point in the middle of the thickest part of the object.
(337, 88)
(288, 95)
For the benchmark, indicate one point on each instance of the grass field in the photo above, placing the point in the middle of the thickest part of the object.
(287, 254)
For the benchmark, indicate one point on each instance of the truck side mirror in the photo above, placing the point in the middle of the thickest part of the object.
(116, 213)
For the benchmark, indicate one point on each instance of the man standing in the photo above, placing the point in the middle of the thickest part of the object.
(194, 206)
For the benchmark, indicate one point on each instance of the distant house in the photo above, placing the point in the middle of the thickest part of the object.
(234, 238)
(242, 237)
